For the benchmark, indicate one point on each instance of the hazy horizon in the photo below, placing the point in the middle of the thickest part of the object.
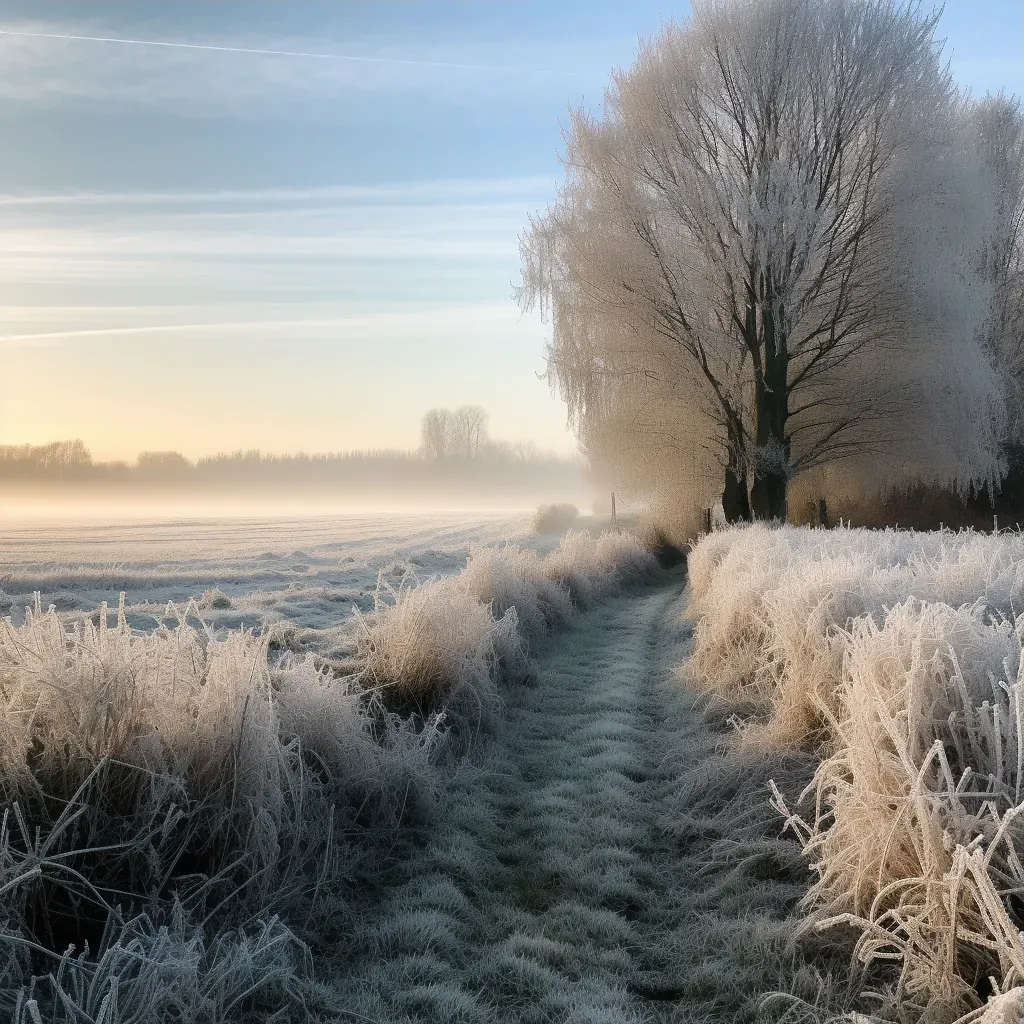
(131, 454)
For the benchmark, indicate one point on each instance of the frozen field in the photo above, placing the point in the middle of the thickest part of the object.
(304, 573)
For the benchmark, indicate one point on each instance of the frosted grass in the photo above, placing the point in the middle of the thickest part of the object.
(604, 860)
(896, 658)
(181, 774)
(187, 817)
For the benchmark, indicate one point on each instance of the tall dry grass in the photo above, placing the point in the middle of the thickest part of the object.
(429, 644)
(166, 797)
(451, 636)
(897, 657)
(512, 577)
(772, 606)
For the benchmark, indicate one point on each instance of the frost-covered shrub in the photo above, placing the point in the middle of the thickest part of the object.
(424, 643)
(555, 518)
(590, 569)
(136, 769)
(514, 577)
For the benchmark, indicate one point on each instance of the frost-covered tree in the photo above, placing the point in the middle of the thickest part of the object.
(435, 434)
(763, 252)
(454, 433)
(468, 426)
(995, 131)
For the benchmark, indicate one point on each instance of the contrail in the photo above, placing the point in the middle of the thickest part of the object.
(354, 321)
(281, 53)
(91, 332)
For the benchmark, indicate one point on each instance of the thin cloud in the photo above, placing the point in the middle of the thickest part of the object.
(442, 189)
(252, 74)
(93, 332)
(418, 320)
(353, 58)
(168, 238)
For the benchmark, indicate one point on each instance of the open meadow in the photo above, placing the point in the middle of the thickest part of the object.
(303, 574)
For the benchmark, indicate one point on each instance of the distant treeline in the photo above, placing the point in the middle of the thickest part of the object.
(517, 464)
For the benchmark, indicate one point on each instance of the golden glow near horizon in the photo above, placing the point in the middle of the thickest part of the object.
(339, 385)
(320, 320)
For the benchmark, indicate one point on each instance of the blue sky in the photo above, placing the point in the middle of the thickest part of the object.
(205, 248)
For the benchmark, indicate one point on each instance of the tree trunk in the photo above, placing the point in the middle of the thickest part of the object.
(771, 399)
(735, 503)
(768, 497)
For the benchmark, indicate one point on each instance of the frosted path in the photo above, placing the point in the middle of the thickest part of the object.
(547, 892)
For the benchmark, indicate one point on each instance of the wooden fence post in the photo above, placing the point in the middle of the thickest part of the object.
(823, 514)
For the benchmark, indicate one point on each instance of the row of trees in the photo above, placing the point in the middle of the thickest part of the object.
(70, 459)
(454, 433)
(788, 249)
(454, 436)
(454, 455)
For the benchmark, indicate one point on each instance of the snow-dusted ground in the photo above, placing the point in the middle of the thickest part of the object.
(600, 861)
(306, 572)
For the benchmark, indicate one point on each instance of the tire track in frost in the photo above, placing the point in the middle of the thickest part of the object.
(540, 892)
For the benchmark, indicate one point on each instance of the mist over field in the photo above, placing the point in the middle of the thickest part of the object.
(457, 465)
(113, 503)
(70, 507)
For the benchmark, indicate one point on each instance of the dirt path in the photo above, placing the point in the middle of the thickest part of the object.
(556, 886)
